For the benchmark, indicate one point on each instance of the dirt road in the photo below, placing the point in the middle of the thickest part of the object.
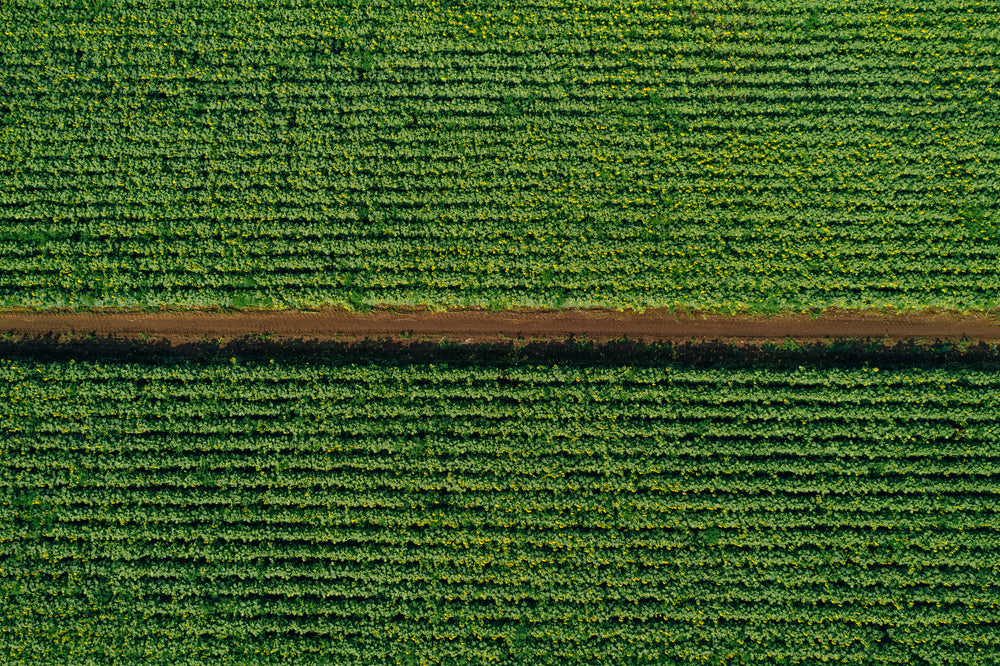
(481, 326)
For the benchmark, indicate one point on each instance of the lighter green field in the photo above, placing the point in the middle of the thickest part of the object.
(720, 156)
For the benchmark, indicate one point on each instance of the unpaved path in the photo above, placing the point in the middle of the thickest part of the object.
(481, 326)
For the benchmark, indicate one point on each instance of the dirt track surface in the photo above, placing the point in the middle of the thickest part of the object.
(480, 326)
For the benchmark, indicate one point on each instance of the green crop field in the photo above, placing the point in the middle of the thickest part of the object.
(427, 511)
(719, 155)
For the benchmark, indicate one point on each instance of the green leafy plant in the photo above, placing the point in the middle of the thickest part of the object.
(424, 493)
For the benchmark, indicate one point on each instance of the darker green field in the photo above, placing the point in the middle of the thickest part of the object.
(446, 505)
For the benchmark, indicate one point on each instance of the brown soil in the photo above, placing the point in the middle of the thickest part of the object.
(464, 326)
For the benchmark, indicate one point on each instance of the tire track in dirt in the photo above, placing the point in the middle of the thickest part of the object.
(482, 326)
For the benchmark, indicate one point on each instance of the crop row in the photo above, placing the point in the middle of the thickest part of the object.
(422, 513)
(446, 126)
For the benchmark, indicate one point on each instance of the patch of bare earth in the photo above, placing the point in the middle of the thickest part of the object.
(468, 326)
